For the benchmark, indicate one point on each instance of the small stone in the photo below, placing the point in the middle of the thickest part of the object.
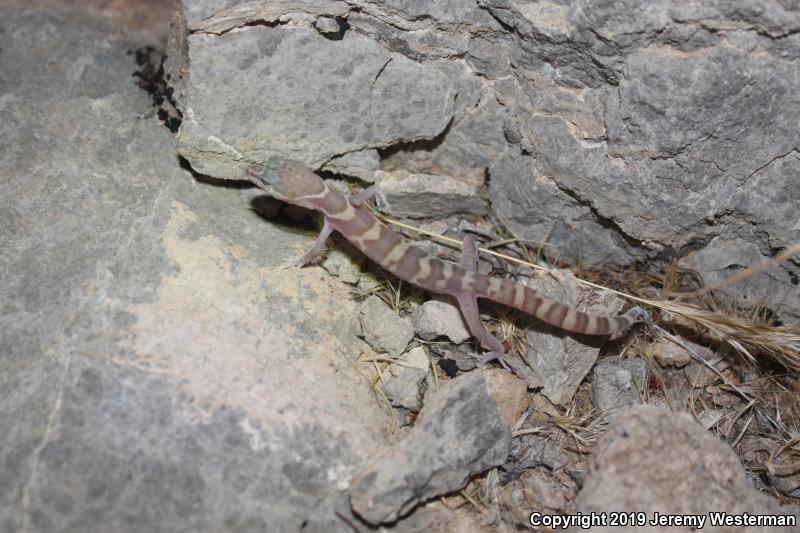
(618, 384)
(509, 392)
(327, 25)
(667, 353)
(383, 329)
(435, 319)
(429, 196)
(403, 380)
(344, 262)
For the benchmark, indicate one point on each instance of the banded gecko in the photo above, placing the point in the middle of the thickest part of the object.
(295, 183)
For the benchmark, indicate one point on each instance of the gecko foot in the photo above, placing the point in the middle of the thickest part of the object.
(364, 196)
(495, 356)
(641, 314)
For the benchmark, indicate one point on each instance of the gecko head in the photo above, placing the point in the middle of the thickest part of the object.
(290, 181)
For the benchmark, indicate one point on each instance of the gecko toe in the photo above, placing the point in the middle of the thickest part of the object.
(495, 356)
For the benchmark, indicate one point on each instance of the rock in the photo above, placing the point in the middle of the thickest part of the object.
(158, 370)
(383, 329)
(645, 140)
(459, 434)
(510, 394)
(593, 126)
(617, 384)
(436, 318)
(335, 98)
(724, 256)
(536, 490)
(641, 465)
(560, 361)
(426, 195)
(667, 353)
(344, 261)
(327, 25)
(403, 380)
(362, 164)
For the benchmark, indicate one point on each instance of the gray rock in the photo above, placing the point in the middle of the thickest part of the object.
(344, 261)
(435, 318)
(361, 164)
(158, 370)
(215, 17)
(460, 433)
(382, 328)
(403, 380)
(524, 197)
(424, 195)
(641, 465)
(617, 384)
(596, 126)
(560, 361)
(725, 256)
(660, 80)
(327, 25)
(330, 98)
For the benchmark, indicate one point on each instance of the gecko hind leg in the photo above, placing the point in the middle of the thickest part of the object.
(317, 249)
(468, 303)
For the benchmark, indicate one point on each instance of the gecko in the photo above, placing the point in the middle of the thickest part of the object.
(293, 182)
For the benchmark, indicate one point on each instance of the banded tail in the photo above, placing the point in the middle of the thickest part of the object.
(557, 314)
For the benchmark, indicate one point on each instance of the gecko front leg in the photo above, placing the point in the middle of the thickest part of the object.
(360, 198)
(468, 303)
(318, 247)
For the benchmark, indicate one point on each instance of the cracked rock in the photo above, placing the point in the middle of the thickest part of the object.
(324, 98)
(459, 434)
(383, 329)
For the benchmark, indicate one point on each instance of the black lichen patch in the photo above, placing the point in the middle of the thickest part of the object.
(151, 78)
(449, 367)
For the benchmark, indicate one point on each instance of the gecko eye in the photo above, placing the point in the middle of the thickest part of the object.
(264, 176)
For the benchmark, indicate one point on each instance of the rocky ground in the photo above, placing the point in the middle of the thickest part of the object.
(160, 369)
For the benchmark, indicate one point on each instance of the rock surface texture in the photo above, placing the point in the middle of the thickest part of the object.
(668, 464)
(618, 131)
(160, 369)
(423, 464)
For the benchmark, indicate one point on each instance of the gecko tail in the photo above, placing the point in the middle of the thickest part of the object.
(559, 315)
